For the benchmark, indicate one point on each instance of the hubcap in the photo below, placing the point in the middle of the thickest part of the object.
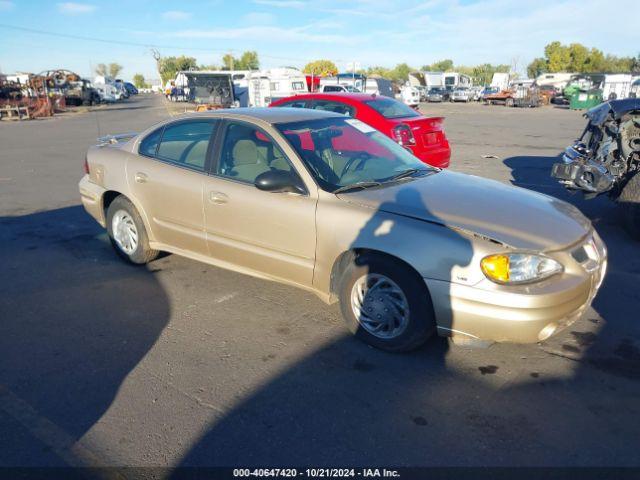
(380, 306)
(125, 232)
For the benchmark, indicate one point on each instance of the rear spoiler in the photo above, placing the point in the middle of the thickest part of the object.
(115, 139)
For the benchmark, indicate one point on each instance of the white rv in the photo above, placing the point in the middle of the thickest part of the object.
(558, 80)
(453, 80)
(500, 81)
(433, 80)
(617, 86)
(269, 85)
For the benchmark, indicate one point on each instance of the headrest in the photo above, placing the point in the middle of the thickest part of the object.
(245, 152)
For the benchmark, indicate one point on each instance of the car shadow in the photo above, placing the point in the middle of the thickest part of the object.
(333, 407)
(347, 404)
(76, 321)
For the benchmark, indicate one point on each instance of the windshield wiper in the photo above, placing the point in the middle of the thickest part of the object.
(355, 186)
(408, 173)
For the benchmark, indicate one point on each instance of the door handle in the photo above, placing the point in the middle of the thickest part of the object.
(140, 177)
(218, 198)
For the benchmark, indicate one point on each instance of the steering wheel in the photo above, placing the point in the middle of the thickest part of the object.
(360, 158)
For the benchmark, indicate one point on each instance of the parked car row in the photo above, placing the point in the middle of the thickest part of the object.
(113, 90)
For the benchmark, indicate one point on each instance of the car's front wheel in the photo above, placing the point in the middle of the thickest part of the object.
(127, 233)
(386, 304)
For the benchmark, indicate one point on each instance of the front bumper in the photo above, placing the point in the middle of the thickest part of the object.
(513, 314)
(91, 197)
(578, 171)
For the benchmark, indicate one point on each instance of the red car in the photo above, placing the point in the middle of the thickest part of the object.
(424, 136)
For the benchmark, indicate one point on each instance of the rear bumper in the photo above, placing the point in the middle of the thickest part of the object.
(91, 197)
(437, 156)
(505, 316)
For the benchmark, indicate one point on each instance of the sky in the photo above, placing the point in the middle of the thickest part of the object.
(293, 32)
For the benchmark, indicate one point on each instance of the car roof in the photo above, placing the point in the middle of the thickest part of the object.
(269, 115)
(353, 96)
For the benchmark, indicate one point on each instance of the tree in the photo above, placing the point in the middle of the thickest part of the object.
(229, 62)
(379, 72)
(595, 62)
(169, 66)
(441, 66)
(558, 57)
(578, 54)
(401, 72)
(320, 67)
(114, 69)
(537, 67)
(635, 64)
(249, 61)
(139, 81)
(101, 69)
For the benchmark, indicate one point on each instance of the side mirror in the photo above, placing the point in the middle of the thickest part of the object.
(279, 181)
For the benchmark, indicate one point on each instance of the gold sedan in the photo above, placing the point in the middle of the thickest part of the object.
(328, 204)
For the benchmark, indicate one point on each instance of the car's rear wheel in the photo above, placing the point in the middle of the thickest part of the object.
(630, 200)
(386, 304)
(127, 233)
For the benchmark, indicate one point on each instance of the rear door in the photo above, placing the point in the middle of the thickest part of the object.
(270, 233)
(167, 179)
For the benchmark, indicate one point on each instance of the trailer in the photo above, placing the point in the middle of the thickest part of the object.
(453, 80)
(523, 93)
(208, 89)
(269, 85)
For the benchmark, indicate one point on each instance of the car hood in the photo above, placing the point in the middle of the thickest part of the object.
(513, 216)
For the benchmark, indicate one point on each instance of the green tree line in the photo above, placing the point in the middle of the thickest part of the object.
(169, 66)
(580, 59)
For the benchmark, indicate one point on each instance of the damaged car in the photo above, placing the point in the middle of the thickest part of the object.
(606, 158)
(327, 203)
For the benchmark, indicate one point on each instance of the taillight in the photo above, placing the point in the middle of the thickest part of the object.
(403, 135)
(86, 166)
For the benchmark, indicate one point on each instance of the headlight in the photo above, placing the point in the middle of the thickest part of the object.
(518, 267)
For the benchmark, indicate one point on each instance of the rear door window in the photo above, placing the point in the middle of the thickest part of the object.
(333, 106)
(294, 104)
(149, 145)
(186, 143)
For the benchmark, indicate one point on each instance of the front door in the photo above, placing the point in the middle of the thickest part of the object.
(269, 233)
(167, 179)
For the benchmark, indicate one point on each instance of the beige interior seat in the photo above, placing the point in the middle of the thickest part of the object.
(246, 161)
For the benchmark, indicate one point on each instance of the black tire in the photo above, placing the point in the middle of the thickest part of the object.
(421, 323)
(142, 253)
(630, 201)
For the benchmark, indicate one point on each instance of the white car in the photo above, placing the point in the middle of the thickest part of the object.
(410, 96)
(338, 89)
(462, 95)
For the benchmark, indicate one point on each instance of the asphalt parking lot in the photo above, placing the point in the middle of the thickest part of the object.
(180, 363)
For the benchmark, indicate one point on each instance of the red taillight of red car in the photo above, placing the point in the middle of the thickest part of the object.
(403, 135)
(86, 166)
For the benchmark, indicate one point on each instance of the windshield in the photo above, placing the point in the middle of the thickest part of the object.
(339, 152)
(390, 108)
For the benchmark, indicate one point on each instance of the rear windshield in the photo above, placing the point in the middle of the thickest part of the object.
(390, 108)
